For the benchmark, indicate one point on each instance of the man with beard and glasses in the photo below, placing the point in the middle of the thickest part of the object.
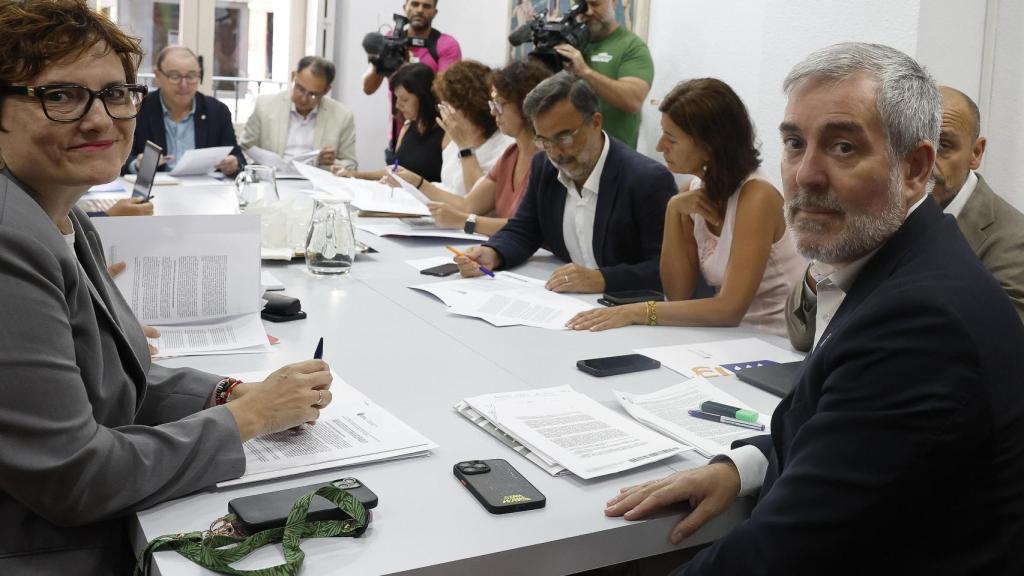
(619, 67)
(993, 228)
(901, 447)
(592, 200)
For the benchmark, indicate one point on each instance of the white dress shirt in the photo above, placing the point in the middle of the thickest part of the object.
(750, 462)
(301, 133)
(957, 204)
(580, 209)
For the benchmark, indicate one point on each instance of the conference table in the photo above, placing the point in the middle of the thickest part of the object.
(402, 349)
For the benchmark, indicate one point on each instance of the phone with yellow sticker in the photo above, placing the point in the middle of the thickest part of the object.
(498, 486)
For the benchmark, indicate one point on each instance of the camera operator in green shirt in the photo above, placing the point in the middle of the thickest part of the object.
(618, 65)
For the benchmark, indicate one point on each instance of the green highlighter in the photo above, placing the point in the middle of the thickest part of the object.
(729, 411)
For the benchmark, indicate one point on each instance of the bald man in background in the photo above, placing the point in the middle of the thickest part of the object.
(993, 228)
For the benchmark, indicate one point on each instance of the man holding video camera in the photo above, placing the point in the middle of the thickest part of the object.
(427, 45)
(618, 65)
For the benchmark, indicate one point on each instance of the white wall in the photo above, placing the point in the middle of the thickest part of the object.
(1003, 167)
(480, 26)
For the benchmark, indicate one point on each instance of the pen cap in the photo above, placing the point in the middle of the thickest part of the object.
(729, 411)
(746, 415)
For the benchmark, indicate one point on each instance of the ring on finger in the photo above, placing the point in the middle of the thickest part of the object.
(566, 278)
(320, 399)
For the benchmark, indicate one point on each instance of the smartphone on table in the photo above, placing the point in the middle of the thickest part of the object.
(270, 510)
(612, 365)
(630, 297)
(143, 187)
(498, 486)
(441, 271)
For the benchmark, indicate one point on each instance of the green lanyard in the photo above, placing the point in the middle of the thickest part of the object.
(216, 552)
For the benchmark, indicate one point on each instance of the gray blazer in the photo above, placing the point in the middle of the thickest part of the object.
(268, 125)
(90, 431)
(993, 228)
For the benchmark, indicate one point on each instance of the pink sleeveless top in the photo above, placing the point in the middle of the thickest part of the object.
(784, 267)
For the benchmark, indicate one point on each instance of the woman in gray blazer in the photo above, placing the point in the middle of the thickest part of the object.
(90, 431)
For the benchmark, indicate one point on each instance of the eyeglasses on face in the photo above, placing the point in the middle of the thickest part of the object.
(562, 140)
(71, 102)
(497, 108)
(177, 77)
(304, 93)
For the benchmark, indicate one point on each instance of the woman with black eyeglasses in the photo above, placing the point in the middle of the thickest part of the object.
(90, 431)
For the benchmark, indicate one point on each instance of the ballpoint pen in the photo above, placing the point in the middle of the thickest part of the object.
(483, 269)
(319, 354)
(725, 420)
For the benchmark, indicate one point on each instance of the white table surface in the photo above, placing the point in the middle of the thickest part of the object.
(403, 350)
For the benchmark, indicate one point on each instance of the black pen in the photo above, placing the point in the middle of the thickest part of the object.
(725, 420)
(319, 354)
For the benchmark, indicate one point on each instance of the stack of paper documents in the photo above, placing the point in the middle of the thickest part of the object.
(560, 429)
(508, 299)
(195, 278)
(717, 359)
(667, 412)
(352, 429)
(283, 168)
(414, 228)
(367, 196)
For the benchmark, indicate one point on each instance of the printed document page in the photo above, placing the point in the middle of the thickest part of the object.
(452, 291)
(414, 228)
(199, 161)
(717, 359)
(579, 433)
(352, 429)
(242, 335)
(364, 194)
(186, 269)
(412, 190)
(666, 412)
(283, 167)
(534, 306)
(486, 425)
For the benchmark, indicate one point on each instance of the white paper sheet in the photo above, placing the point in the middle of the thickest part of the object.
(424, 263)
(537, 307)
(242, 335)
(159, 179)
(364, 195)
(186, 269)
(406, 228)
(666, 411)
(352, 429)
(579, 433)
(412, 190)
(270, 282)
(200, 161)
(452, 291)
(716, 359)
(282, 166)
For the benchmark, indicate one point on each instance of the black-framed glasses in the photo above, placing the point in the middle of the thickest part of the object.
(304, 93)
(71, 102)
(497, 108)
(562, 139)
(177, 77)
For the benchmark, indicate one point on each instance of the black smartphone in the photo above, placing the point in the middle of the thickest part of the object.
(442, 270)
(612, 365)
(143, 187)
(498, 486)
(265, 511)
(630, 297)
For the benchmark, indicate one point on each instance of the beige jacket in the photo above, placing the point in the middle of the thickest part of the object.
(267, 127)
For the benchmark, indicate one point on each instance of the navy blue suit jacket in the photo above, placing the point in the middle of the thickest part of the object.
(901, 448)
(212, 122)
(628, 224)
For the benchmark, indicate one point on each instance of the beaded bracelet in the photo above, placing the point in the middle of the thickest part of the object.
(222, 392)
(652, 313)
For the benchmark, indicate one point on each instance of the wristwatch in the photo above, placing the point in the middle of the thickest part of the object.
(466, 153)
(470, 226)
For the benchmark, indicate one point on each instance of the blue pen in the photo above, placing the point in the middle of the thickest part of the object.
(725, 420)
(319, 354)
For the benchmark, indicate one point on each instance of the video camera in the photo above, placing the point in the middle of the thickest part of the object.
(546, 34)
(388, 53)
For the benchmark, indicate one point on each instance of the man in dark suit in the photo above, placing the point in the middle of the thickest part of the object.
(179, 118)
(591, 200)
(901, 448)
(993, 228)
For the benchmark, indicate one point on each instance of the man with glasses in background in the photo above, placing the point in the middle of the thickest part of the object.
(593, 201)
(178, 118)
(304, 119)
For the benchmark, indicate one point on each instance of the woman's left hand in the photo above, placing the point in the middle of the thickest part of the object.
(447, 216)
(454, 122)
(600, 319)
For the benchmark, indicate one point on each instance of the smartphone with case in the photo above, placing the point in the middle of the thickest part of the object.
(143, 187)
(498, 486)
(612, 365)
(441, 271)
(630, 297)
(270, 510)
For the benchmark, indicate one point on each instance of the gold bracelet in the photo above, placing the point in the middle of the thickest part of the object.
(652, 313)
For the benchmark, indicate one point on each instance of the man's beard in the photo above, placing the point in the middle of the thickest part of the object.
(861, 233)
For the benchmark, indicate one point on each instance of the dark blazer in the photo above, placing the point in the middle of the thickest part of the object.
(995, 232)
(212, 121)
(628, 224)
(90, 429)
(901, 448)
